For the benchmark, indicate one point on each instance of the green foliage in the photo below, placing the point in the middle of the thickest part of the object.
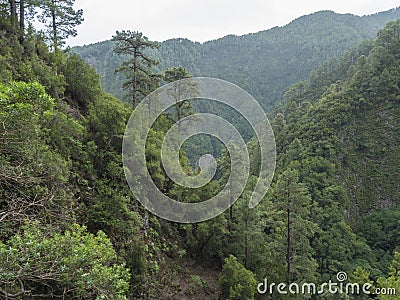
(235, 281)
(391, 284)
(265, 63)
(60, 20)
(60, 163)
(197, 280)
(293, 230)
(381, 230)
(179, 91)
(32, 175)
(340, 144)
(85, 90)
(73, 264)
(332, 207)
(140, 79)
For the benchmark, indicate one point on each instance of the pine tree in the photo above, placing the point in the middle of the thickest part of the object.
(292, 227)
(180, 90)
(60, 19)
(27, 11)
(140, 78)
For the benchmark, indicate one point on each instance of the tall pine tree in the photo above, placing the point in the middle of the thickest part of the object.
(140, 78)
(60, 18)
(292, 228)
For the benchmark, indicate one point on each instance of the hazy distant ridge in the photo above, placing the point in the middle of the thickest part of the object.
(265, 63)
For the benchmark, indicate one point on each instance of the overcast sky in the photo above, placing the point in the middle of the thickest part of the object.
(203, 20)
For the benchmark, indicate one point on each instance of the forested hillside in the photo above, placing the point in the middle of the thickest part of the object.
(265, 63)
(338, 130)
(71, 228)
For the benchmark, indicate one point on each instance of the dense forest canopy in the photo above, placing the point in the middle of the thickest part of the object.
(71, 228)
(265, 63)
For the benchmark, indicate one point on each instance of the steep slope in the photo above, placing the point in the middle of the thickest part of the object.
(264, 63)
(71, 228)
(344, 132)
(357, 112)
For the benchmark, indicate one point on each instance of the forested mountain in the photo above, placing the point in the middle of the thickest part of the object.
(71, 228)
(338, 130)
(264, 63)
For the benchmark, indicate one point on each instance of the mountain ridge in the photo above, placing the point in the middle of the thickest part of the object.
(265, 63)
(72, 228)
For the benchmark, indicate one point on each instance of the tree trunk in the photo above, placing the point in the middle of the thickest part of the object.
(288, 240)
(231, 202)
(13, 11)
(21, 20)
(54, 25)
(246, 243)
(134, 87)
(231, 187)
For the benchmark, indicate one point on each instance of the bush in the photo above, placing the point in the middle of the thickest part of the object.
(236, 282)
